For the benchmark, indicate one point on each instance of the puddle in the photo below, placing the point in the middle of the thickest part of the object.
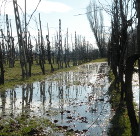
(135, 86)
(75, 100)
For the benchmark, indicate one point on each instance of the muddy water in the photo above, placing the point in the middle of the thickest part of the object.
(76, 100)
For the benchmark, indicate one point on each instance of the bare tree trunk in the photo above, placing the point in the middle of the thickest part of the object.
(22, 45)
(1, 67)
(41, 51)
(10, 44)
(138, 44)
(60, 46)
(49, 52)
(129, 94)
(29, 55)
(95, 17)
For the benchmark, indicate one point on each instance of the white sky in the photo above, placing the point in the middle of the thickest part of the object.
(51, 11)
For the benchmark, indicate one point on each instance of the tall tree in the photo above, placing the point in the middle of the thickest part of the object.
(10, 44)
(22, 45)
(138, 44)
(95, 17)
(122, 61)
(49, 50)
(1, 67)
(41, 49)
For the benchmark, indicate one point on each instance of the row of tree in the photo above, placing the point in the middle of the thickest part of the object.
(41, 51)
(123, 46)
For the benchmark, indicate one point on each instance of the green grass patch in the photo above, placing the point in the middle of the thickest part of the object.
(27, 126)
(76, 83)
(100, 60)
(120, 123)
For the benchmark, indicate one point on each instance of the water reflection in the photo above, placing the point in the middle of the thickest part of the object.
(3, 102)
(27, 97)
(50, 94)
(77, 99)
(12, 101)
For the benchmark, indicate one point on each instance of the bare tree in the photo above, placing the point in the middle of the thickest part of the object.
(10, 44)
(122, 61)
(138, 44)
(1, 67)
(22, 45)
(95, 17)
(41, 49)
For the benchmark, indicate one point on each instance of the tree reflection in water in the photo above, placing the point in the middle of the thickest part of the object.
(27, 97)
(3, 102)
(12, 101)
(50, 94)
(78, 97)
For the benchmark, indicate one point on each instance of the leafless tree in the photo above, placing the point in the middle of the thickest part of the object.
(1, 67)
(122, 61)
(41, 49)
(95, 17)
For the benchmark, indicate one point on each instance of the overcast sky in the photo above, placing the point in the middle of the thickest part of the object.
(51, 11)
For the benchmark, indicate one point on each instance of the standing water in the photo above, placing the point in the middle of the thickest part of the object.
(77, 100)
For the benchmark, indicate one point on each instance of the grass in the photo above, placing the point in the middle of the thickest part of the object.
(120, 121)
(100, 60)
(26, 126)
(13, 75)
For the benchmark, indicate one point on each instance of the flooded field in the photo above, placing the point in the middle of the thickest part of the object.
(76, 100)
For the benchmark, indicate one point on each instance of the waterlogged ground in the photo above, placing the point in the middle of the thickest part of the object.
(76, 100)
(135, 86)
